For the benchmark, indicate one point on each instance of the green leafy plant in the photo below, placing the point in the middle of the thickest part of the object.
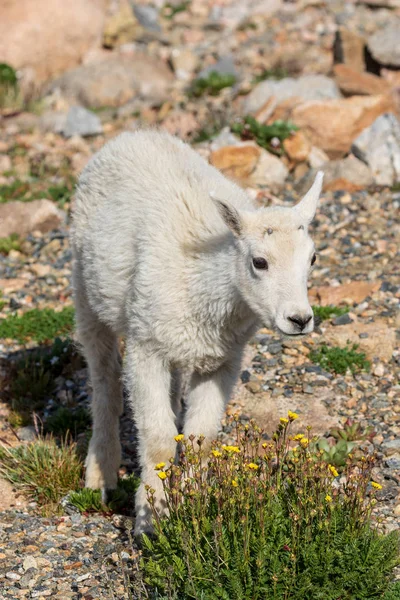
(169, 10)
(393, 593)
(12, 242)
(336, 453)
(211, 85)
(44, 470)
(276, 74)
(61, 193)
(66, 420)
(8, 75)
(352, 431)
(338, 360)
(17, 190)
(269, 137)
(120, 499)
(40, 325)
(266, 520)
(326, 312)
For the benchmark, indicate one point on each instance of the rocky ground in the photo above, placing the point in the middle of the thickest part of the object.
(330, 68)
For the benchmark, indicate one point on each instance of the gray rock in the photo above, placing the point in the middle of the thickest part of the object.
(27, 434)
(52, 120)
(342, 320)
(349, 169)
(224, 138)
(115, 81)
(378, 146)
(393, 462)
(307, 87)
(384, 45)
(83, 122)
(224, 66)
(391, 447)
(147, 16)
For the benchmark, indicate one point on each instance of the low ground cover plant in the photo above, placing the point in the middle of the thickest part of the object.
(12, 242)
(326, 312)
(211, 84)
(338, 360)
(37, 324)
(267, 519)
(269, 137)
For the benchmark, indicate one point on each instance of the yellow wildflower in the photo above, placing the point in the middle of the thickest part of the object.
(231, 448)
(375, 485)
(252, 466)
(159, 466)
(162, 475)
(264, 445)
(179, 438)
(292, 415)
(216, 453)
(234, 483)
(284, 420)
(328, 498)
(333, 470)
(304, 442)
(298, 437)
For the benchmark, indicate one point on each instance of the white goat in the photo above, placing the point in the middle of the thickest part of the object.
(174, 257)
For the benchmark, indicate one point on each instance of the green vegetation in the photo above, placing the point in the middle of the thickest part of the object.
(267, 520)
(121, 499)
(34, 189)
(32, 380)
(8, 75)
(338, 360)
(352, 431)
(40, 325)
(170, 10)
(393, 593)
(250, 129)
(335, 454)
(66, 420)
(43, 470)
(12, 242)
(326, 312)
(211, 85)
(8, 86)
(276, 74)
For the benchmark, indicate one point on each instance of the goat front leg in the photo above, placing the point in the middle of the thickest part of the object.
(208, 396)
(148, 380)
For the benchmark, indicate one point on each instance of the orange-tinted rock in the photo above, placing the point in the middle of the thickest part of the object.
(25, 217)
(236, 161)
(297, 147)
(334, 124)
(352, 82)
(355, 291)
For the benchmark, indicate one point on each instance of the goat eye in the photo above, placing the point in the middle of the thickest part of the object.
(314, 258)
(260, 263)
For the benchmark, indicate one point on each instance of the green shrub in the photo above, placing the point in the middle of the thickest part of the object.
(121, 499)
(8, 75)
(43, 470)
(212, 84)
(338, 360)
(276, 74)
(37, 324)
(266, 520)
(11, 242)
(326, 312)
(65, 420)
(250, 129)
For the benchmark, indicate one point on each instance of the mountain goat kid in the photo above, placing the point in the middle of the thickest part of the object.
(174, 257)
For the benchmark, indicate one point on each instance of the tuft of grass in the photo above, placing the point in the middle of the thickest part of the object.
(266, 520)
(275, 74)
(35, 188)
(169, 10)
(211, 85)
(393, 593)
(12, 242)
(61, 194)
(17, 190)
(43, 470)
(65, 420)
(338, 360)
(8, 75)
(326, 312)
(269, 137)
(40, 325)
(121, 499)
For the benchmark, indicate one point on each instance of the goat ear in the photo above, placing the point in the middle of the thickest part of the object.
(229, 214)
(308, 205)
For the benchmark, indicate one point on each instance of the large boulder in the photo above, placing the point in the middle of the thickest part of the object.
(115, 81)
(333, 124)
(308, 87)
(378, 146)
(24, 217)
(49, 36)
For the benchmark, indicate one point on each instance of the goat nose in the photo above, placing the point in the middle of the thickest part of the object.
(300, 321)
